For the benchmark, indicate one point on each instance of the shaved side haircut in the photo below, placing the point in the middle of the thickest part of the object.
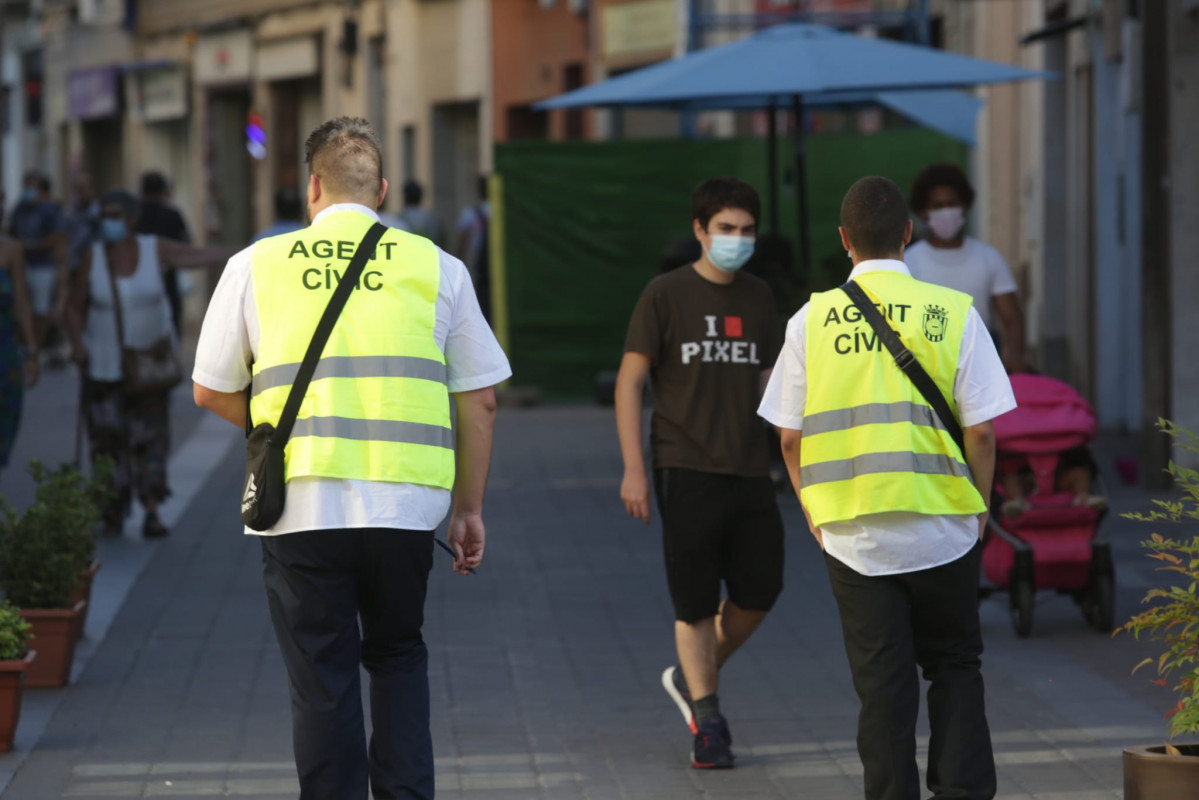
(346, 155)
(874, 214)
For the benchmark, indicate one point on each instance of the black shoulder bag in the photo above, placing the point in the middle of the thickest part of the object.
(265, 489)
(907, 362)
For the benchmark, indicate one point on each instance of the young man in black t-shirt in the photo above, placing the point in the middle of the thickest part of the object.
(705, 335)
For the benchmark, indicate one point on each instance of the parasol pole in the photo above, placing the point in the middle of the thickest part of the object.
(801, 186)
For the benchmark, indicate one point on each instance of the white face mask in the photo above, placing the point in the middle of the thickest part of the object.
(947, 223)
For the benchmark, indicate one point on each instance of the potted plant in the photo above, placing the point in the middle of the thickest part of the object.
(15, 658)
(68, 492)
(42, 554)
(1169, 771)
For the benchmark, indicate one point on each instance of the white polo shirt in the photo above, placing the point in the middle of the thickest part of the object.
(474, 360)
(895, 542)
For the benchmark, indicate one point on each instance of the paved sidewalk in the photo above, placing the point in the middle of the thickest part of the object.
(545, 665)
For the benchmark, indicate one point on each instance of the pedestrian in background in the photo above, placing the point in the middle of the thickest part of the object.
(894, 500)
(705, 335)
(289, 214)
(942, 197)
(160, 218)
(36, 222)
(81, 221)
(18, 365)
(474, 243)
(418, 219)
(130, 428)
(370, 462)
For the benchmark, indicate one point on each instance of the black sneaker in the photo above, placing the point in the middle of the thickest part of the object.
(711, 748)
(152, 527)
(676, 686)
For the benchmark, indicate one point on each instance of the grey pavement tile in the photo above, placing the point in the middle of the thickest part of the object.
(544, 667)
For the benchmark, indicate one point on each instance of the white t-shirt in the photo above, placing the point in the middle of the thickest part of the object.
(975, 268)
(474, 360)
(896, 541)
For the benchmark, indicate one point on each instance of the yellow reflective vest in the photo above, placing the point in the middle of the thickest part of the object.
(871, 444)
(378, 407)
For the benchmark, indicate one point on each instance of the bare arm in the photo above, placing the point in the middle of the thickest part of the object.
(1007, 307)
(791, 442)
(980, 457)
(630, 384)
(14, 256)
(476, 425)
(175, 255)
(226, 405)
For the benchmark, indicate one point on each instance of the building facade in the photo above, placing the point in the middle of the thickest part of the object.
(171, 85)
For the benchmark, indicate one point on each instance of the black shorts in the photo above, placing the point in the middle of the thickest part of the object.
(719, 527)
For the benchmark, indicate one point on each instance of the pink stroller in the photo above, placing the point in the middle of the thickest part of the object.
(1054, 544)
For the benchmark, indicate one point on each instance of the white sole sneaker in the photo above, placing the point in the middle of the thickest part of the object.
(679, 700)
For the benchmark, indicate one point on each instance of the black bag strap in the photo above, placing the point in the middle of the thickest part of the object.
(906, 361)
(323, 329)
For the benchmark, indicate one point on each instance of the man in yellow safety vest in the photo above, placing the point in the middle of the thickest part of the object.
(370, 463)
(893, 500)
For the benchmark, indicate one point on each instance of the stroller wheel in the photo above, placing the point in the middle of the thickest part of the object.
(1102, 605)
(1022, 603)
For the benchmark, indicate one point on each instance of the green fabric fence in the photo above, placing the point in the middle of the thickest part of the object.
(586, 224)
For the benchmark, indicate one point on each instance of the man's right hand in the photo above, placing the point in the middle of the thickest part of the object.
(634, 493)
(467, 538)
(79, 354)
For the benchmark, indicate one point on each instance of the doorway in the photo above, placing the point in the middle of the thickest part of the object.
(455, 159)
(229, 172)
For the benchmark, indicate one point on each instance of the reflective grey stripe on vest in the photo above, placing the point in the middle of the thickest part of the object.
(375, 430)
(354, 367)
(874, 463)
(870, 414)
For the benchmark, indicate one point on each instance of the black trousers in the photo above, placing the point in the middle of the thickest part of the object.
(891, 624)
(319, 584)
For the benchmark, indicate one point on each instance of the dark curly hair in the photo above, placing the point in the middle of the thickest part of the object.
(716, 194)
(942, 174)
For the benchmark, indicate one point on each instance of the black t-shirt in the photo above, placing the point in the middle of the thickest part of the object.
(160, 219)
(708, 344)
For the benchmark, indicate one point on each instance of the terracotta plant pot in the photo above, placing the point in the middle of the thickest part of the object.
(84, 592)
(54, 637)
(12, 674)
(1152, 774)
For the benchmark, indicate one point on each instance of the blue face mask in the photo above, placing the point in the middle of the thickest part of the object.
(29, 194)
(113, 230)
(729, 253)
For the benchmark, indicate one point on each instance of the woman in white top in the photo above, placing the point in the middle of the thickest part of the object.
(942, 196)
(130, 430)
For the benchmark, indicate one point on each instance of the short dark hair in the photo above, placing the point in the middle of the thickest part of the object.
(413, 193)
(716, 194)
(287, 203)
(875, 217)
(941, 174)
(153, 184)
(129, 204)
(346, 155)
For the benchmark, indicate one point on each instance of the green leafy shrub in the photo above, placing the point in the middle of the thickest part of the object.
(43, 550)
(14, 633)
(1174, 618)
